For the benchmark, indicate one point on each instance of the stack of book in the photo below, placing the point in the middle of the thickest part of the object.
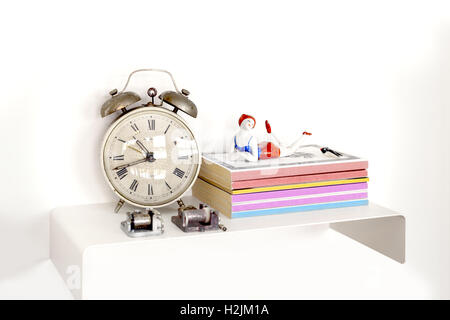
(306, 180)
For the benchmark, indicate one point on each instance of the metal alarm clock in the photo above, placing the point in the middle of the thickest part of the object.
(149, 155)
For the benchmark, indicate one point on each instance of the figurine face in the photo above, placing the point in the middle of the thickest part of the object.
(247, 124)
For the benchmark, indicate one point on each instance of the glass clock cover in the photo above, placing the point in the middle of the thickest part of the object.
(150, 157)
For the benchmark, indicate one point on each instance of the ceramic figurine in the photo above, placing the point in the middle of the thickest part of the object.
(246, 146)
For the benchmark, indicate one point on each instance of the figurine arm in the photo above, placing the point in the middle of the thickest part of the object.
(249, 156)
(232, 148)
(252, 156)
(234, 153)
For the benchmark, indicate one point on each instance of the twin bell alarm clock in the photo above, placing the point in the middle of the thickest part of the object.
(149, 155)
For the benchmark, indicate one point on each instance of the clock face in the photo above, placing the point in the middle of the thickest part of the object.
(150, 157)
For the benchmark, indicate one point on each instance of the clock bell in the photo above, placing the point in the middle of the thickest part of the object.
(122, 100)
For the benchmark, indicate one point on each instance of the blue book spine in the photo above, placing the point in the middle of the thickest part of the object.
(320, 206)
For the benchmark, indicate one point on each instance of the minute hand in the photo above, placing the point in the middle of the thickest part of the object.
(130, 164)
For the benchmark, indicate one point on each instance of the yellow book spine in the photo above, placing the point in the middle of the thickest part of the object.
(301, 185)
(288, 186)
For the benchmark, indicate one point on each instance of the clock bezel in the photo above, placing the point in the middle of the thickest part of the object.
(146, 109)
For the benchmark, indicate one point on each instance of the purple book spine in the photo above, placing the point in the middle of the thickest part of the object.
(297, 202)
(297, 192)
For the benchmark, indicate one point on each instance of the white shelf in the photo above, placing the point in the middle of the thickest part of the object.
(80, 235)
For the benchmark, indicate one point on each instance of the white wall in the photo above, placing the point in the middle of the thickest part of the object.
(368, 78)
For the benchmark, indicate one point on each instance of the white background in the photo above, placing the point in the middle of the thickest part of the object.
(369, 78)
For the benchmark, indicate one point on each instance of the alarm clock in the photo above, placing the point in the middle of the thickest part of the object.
(149, 155)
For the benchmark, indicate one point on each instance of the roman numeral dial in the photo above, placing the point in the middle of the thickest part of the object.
(135, 127)
(134, 185)
(178, 172)
(150, 157)
(151, 124)
(122, 173)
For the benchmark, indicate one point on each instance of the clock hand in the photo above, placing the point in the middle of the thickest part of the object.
(148, 158)
(130, 164)
(133, 148)
(141, 145)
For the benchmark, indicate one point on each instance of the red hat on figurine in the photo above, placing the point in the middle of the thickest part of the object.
(246, 116)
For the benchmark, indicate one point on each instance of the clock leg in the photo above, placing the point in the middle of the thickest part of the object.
(118, 206)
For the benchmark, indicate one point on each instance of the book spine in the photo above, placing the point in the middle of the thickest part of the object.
(300, 170)
(297, 192)
(321, 206)
(299, 202)
(299, 186)
(255, 183)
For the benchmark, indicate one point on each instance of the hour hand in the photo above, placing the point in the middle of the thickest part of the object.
(141, 145)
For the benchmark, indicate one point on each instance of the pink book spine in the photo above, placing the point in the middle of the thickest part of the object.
(297, 192)
(301, 170)
(297, 202)
(255, 183)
